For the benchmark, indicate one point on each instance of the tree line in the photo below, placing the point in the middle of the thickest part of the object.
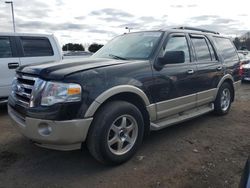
(240, 45)
(79, 47)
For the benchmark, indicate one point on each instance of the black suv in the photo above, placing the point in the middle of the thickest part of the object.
(138, 82)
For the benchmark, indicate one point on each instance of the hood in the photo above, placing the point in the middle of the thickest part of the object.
(58, 70)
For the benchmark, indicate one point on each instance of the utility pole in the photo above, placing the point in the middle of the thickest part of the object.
(12, 11)
(128, 28)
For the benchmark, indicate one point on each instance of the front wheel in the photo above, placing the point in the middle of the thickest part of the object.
(224, 99)
(116, 132)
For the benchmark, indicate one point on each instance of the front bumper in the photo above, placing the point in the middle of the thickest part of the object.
(60, 135)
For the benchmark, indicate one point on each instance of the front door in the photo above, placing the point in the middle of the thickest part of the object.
(8, 63)
(174, 92)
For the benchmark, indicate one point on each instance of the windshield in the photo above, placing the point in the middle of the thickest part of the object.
(130, 46)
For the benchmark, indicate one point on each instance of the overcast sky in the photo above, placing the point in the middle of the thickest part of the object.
(99, 21)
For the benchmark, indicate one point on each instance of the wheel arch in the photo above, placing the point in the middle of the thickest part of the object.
(229, 79)
(127, 93)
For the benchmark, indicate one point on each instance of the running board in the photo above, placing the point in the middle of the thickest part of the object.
(160, 124)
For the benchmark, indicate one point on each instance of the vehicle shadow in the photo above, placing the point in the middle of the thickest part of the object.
(44, 162)
(3, 109)
(245, 82)
(38, 163)
(177, 129)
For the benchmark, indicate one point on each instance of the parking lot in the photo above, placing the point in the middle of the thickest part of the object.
(208, 151)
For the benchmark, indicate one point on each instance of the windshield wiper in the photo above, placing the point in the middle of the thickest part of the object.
(117, 57)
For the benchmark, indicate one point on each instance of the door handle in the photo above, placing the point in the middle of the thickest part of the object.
(191, 71)
(219, 68)
(13, 65)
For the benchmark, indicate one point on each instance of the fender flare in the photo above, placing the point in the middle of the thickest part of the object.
(114, 91)
(227, 76)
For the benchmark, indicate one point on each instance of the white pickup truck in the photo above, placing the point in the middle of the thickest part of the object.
(21, 49)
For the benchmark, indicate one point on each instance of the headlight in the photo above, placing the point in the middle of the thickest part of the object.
(60, 92)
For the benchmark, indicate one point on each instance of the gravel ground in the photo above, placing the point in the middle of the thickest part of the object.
(208, 151)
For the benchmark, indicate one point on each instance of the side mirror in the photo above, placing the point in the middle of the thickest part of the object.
(172, 57)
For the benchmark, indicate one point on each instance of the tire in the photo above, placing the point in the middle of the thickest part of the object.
(116, 133)
(223, 100)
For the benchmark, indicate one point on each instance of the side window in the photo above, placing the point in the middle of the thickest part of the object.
(226, 49)
(5, 47)
(177, 43)
(36, 46)
(201, 49)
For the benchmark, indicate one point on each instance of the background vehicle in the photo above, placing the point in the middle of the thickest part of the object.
(138, 82)
(243, 52)
(244, 65)
(245, 72)
(21, 49)
(242, 57)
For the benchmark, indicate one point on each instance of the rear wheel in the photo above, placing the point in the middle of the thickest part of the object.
(116, 132)
(223, 100)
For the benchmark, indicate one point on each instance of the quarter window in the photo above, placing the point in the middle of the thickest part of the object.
(226, 48)
(36, 46)
(178, 43)
(201, 49)
(5, 48)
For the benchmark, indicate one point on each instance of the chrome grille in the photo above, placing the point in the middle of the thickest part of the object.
(23, 87)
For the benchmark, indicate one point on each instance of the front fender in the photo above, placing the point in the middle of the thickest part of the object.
(114, 91)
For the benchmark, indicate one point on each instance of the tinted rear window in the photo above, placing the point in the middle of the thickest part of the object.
(36, 46)
(226, 49)
(5, 47)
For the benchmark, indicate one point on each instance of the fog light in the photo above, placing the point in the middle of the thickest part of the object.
(44, 129)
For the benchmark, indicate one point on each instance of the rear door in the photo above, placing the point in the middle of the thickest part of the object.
(36, 50)
(8, 63)
(209, 69)
(229, 54)
(173, 88)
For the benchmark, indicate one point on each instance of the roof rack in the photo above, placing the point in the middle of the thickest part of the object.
(197, 29)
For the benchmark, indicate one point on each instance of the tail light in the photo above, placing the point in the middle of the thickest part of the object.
(241, 70)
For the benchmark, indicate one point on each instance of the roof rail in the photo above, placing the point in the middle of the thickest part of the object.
(197, 29)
